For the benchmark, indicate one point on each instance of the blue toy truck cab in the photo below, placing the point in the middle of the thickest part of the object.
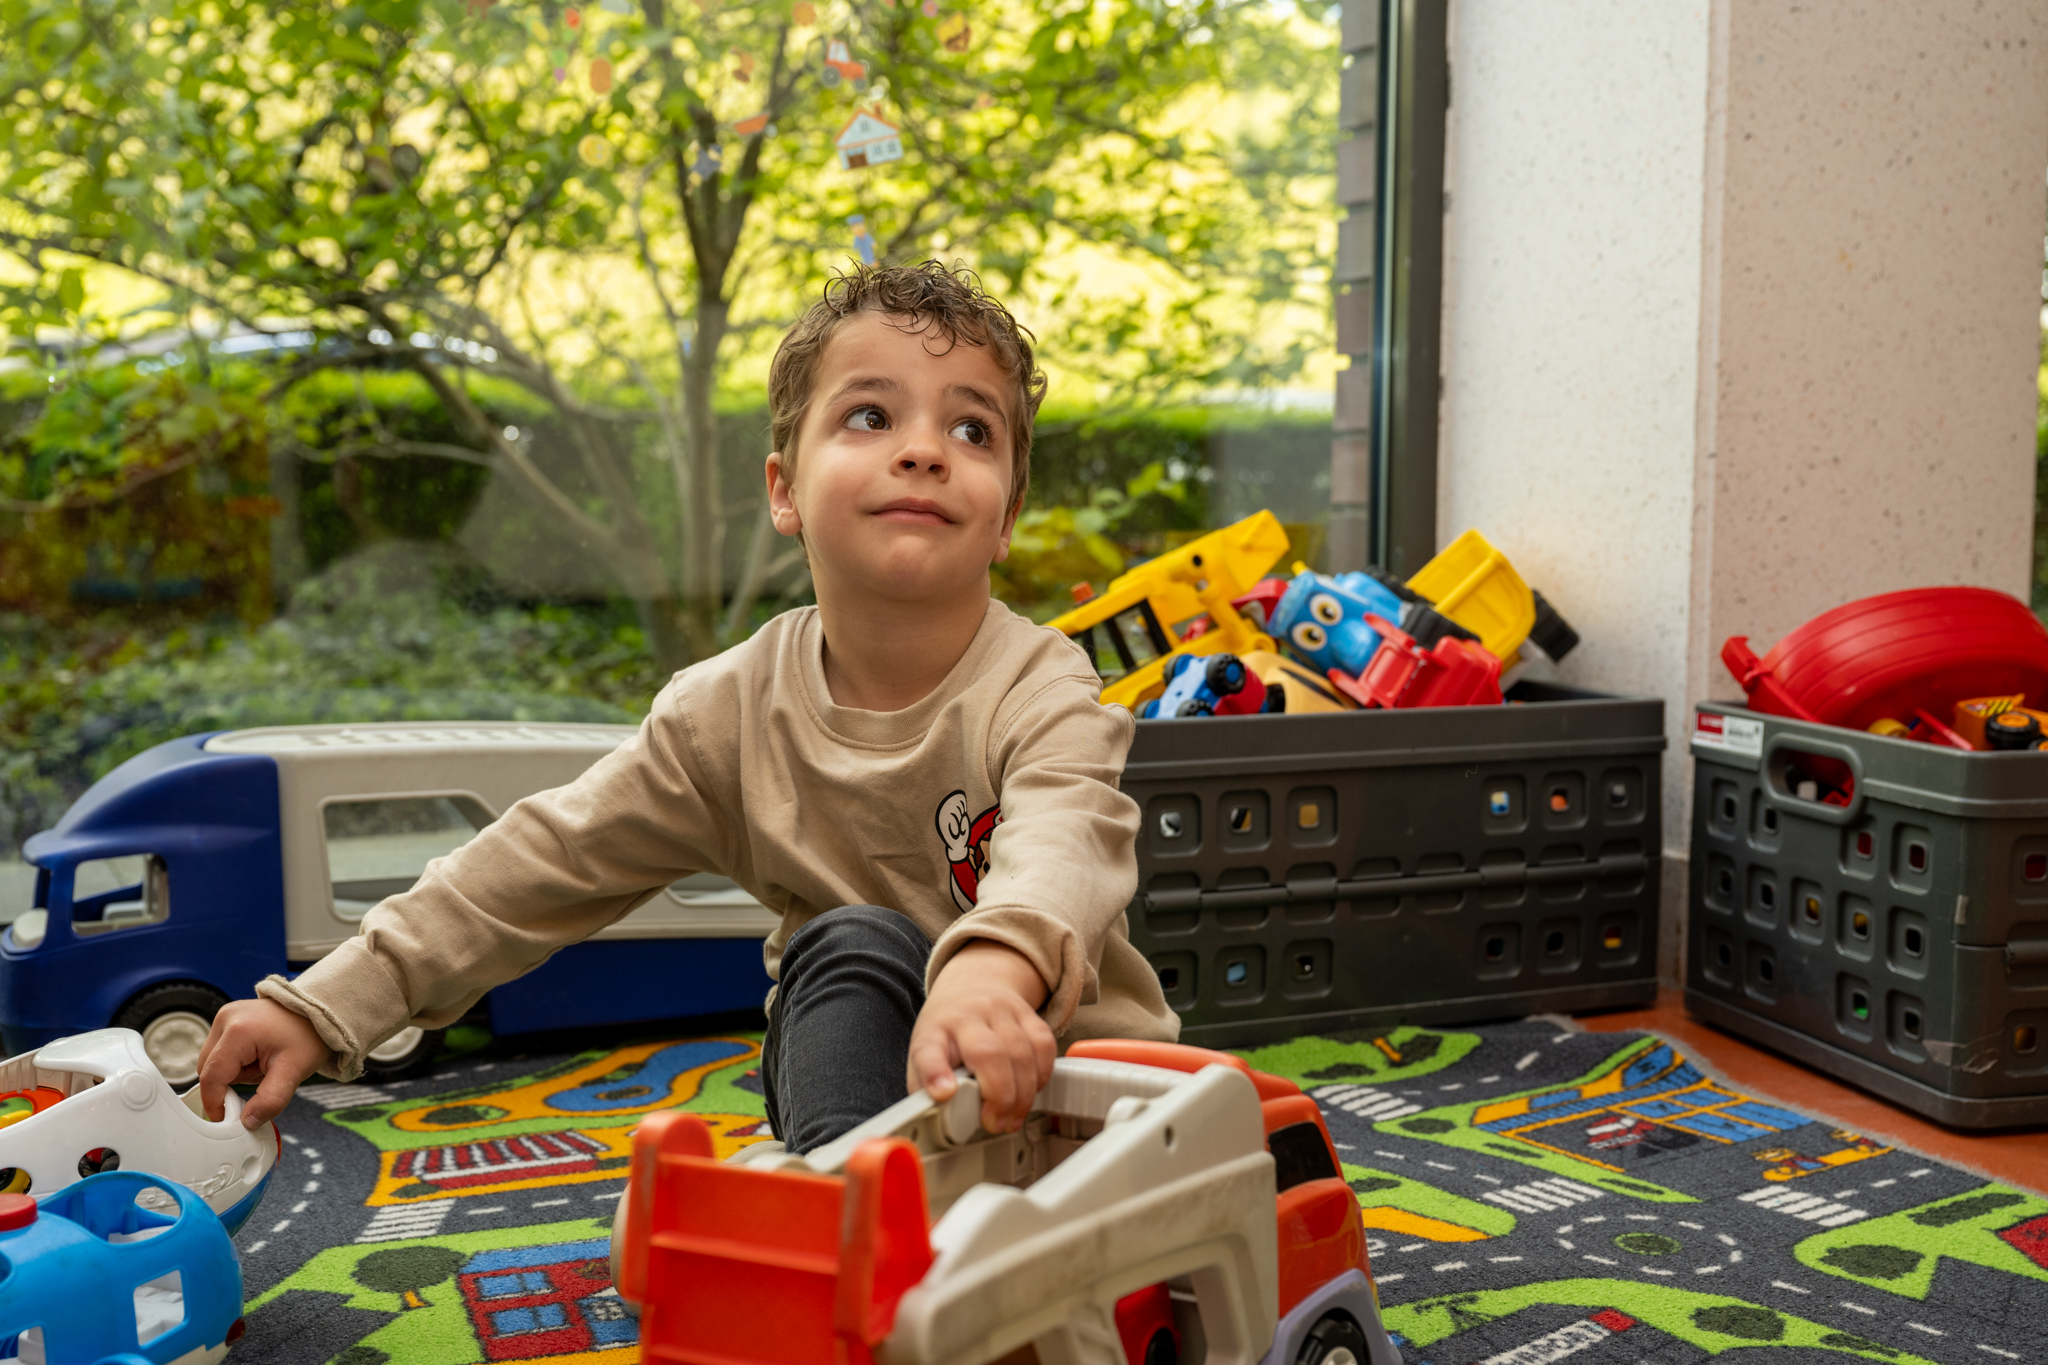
(119, 1267)
(194, 870)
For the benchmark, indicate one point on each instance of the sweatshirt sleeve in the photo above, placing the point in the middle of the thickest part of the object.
(554, 869)
(1063, 863)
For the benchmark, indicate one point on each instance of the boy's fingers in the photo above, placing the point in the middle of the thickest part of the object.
(218, 1069)
(931, 1069)
(271, 1096)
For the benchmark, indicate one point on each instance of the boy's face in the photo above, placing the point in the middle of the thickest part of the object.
(902, 488)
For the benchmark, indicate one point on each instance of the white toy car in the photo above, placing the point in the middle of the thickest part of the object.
(95, 1102)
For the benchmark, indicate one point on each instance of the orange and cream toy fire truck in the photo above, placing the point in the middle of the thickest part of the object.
(1162, 1204)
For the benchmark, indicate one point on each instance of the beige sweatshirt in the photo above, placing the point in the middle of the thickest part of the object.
(988, 810)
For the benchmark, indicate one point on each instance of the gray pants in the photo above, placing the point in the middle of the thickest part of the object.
(839, 1035)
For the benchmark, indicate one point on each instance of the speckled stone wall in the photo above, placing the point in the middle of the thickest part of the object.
(1740, 316)
(1572, 321)
(1873, 260)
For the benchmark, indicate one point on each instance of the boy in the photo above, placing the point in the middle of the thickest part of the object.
(923, 783)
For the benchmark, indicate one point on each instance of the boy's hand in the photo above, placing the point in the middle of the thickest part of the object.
(257, 1041)
(982, 1013)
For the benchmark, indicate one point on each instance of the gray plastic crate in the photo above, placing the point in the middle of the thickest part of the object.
(1367, 868)
(1899, 941)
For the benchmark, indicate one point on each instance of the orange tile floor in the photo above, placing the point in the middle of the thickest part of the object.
(2015, 1156)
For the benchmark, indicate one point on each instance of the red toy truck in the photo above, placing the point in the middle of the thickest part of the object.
(1162, 1203)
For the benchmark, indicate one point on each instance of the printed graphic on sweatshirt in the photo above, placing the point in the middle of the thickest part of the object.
(966, 840)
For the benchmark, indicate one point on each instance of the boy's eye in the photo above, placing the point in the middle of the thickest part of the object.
(971, 431)
(867, 419)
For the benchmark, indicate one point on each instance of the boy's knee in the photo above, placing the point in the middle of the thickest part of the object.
(860, 927)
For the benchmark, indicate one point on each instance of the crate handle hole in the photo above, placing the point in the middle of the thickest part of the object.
(1305, 966)
(1496, 948)
(1728, 810)
(1611, 939)
(1240, 819)
(1727, 882)
(1724, 954)
(1498, 803)
(1767, 895)
(1171, 825)
(1308, 815)
(1766, 970)
(1915, 941)
(1916, 857)
(1236, 974)
(1909, 1023)
(1169, 978)
(1859, 925)
(1617, 796)
(2024, 1038)
(1553, 942)
(1560, 799)
(1770, 821)
(1812, 909)
(1859, 1004)
(2036, 868)
(1864, 845)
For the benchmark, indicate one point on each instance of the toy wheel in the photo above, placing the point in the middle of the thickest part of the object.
(403, 1054)
(1336, 1339)
(829, 77)
(173, 1020)
(1162, 1349)
(1224, 674)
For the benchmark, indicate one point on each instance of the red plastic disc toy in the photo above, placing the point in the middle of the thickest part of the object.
(1890, 654)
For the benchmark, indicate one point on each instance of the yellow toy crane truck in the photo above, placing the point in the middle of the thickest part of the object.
(1131, 629)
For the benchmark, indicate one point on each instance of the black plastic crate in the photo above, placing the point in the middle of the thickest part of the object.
(1900, 940)
(1366, 868)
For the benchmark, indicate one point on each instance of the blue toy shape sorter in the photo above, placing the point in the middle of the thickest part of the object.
(1321, 620)
(119, 1266)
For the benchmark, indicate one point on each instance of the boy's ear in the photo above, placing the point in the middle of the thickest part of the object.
(1009, 527)
(782, 499)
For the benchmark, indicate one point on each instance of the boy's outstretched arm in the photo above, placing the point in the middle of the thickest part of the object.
(252, 1042)
(982, 1013)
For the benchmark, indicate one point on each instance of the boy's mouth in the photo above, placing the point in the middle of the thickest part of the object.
(914, 512)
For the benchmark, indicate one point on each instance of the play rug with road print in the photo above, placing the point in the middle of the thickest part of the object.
(1532, 1195)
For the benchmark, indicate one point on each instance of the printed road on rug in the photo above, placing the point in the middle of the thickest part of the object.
(1532, 1196)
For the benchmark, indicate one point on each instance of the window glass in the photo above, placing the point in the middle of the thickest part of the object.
(378, 848)
(432, 379)
(119, 893)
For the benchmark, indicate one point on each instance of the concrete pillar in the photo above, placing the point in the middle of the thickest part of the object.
(1740, 318)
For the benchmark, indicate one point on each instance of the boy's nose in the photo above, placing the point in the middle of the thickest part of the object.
(923, 451)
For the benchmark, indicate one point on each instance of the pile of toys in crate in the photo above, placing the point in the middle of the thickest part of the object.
(1200, 631)
(1953, 667)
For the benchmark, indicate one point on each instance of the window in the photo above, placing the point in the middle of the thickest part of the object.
(159, 1306)
(378, 848)
(513, 1322)
(119, 893)
(518, 1282)
(1299, 1155)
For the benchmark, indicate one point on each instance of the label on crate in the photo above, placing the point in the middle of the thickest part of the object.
(1734, 734)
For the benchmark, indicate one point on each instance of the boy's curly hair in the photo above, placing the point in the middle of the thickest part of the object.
(949, 303)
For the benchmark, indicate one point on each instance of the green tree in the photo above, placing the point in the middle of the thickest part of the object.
(614, 207)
